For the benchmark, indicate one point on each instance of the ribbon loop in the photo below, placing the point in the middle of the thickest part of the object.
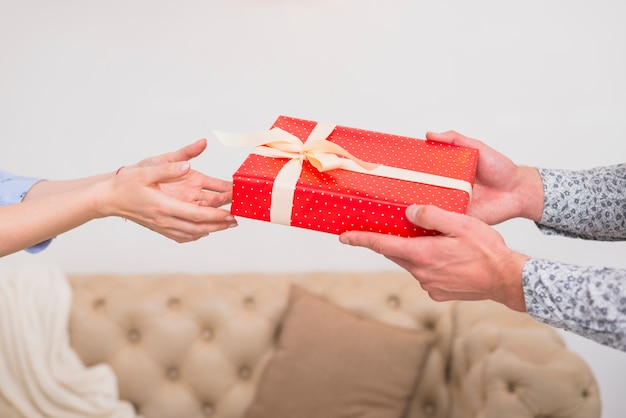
(279, 143)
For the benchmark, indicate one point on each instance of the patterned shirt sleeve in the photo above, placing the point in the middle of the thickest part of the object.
(589, 204)
(12, 190)
(589, 301)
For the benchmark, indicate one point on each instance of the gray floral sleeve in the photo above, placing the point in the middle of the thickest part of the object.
(589, 204)
(590, 301)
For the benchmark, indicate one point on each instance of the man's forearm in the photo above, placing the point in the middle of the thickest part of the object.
(588, 204)
(583, 299)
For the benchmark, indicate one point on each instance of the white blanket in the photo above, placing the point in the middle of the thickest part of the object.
(40, 374)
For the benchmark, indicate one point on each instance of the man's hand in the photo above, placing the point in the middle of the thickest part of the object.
(502, 190)
(467, 261)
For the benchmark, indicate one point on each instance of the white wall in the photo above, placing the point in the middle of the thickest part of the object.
(88, 86)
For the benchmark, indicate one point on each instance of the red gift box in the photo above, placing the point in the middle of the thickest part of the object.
(409, 171)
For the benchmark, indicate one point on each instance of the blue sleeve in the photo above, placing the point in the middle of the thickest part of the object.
(12, 190)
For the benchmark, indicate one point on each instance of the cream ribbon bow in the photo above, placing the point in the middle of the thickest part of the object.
(324, 156)
(278, 143)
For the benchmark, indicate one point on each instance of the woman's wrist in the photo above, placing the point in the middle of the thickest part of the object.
(99, 199)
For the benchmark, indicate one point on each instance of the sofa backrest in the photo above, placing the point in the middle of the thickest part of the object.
(197, 345)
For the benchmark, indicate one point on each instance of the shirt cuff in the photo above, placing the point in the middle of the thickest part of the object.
(13, 190)
(37, 248)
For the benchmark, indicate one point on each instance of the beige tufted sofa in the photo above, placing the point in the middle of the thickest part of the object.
(197, 346)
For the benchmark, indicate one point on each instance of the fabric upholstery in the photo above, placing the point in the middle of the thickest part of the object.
(40, 374)
(501, 370)
(330, 362)
(196, 345)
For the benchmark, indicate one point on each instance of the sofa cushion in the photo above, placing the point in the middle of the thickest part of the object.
(330, 362)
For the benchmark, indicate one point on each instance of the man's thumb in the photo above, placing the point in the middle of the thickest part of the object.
(435, 218)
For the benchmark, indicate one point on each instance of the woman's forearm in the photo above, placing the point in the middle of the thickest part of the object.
(51, 187)
(35, 220)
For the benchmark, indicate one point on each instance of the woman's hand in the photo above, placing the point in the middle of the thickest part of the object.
(161, 193)
(166, 198)
(193, 187)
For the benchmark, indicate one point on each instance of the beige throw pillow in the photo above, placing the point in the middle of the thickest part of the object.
(330, 363)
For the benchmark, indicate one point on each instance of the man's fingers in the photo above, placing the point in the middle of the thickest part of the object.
(427, 217)
(451, 137)
(369, 240)
(388, 245)
(437, 219)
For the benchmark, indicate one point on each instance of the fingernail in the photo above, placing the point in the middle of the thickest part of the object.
(229, 218)
(344, 240)
(411, 211)
(233, 225)
(183, 166)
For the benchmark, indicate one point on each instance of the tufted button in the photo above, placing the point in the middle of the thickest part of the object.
(510, 387)
(173, 303)
(206, 334)
(245, 372)
(249, 302)
(429, 409)
(134, 336)
(393, 301)
(172, 373)
(429, 324)
(99, 304)
(207, 410)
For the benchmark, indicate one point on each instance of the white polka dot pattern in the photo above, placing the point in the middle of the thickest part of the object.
(337, 201)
